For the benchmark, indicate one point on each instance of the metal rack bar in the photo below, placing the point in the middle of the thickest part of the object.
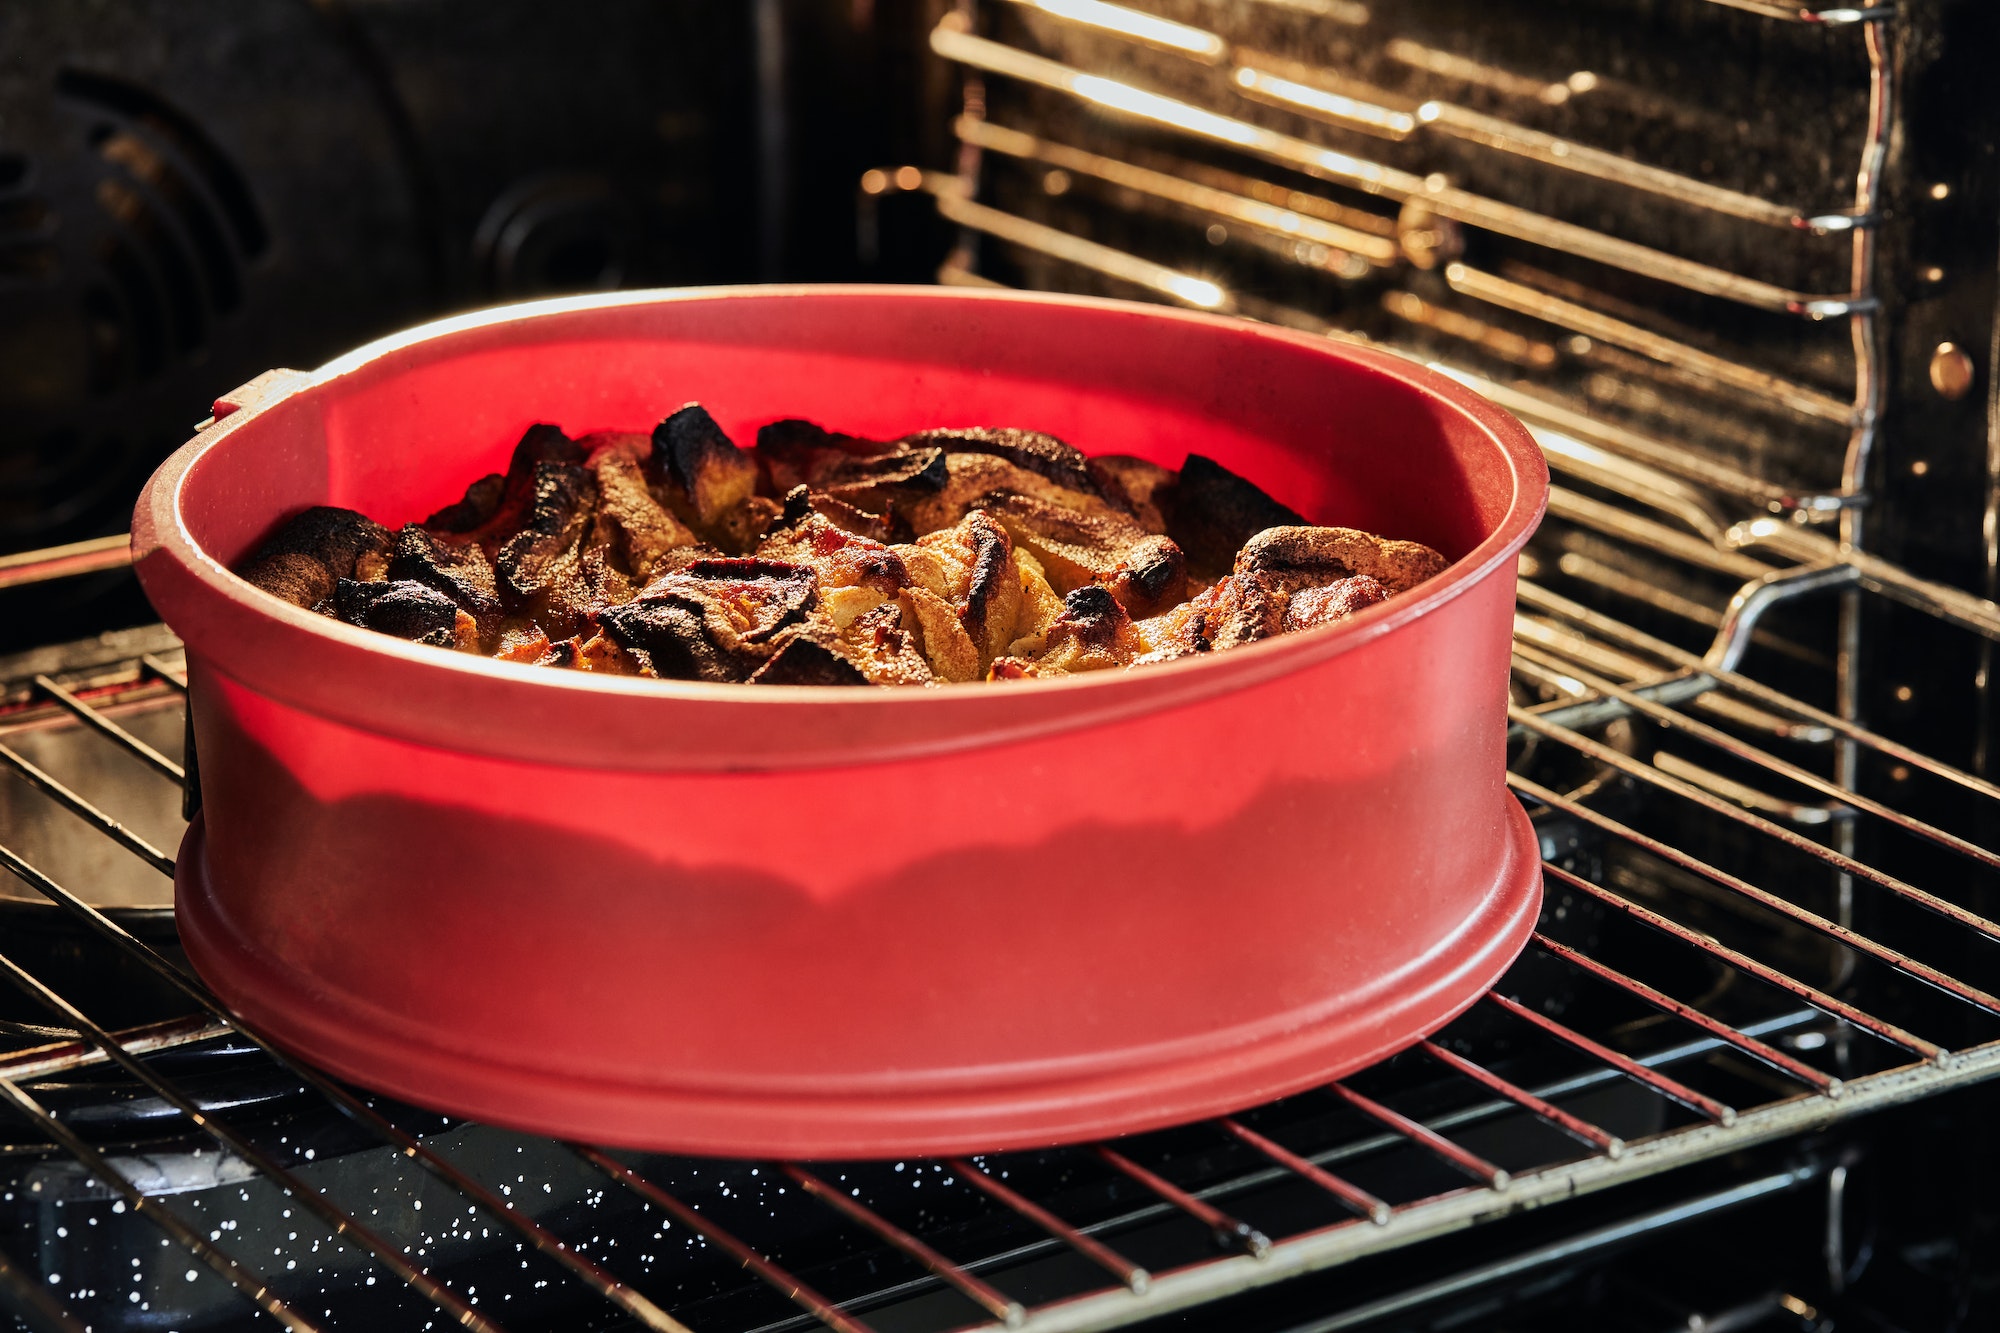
(1730, 745)
(1351, 1196)
(1812, 995)
(950, 41)
(1793, 12)
(544, 1241)
(985, 134)
(1471, 1163)
(1136, 25)
(165, 673)
(1606, 627)
(154, 1211)
(1229, 1232)
(1525, 300)
(1670, 1088)
(814, 1304)
(87, 812)
(1310, 90)
(1652, 776)
(62, 1056)
(1575, 1126)
(62, 562)
(996, 1303)
(1112, 1262)
(104, 726)
(1156, 278)
(343, 1224)
(1820, 1082)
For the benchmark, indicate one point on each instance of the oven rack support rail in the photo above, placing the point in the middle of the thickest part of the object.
(1347, 242)
(1596, 667)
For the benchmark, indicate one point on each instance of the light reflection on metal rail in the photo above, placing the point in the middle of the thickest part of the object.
(1136, 25)
(1350, 1195)
(1618, 440)
(1841, 861)
(1802, 814)
(343, 1224)
(952, 42)
(1552, 150)
(1218, 203)
(104, 726)
(997, 1303)
(1471, 1163)
(1536, 304)
(62, 562)
(1576, 1127)
(1749, 603)
(1186, 288)
(544, 1241)
(1256, 79)
(1820, 1082)
(1671, 1088)
(1112, 1262)
(1316, 92)
(62, 1056)
(1615, 522)
(1229, 1232)
(1876, 574)
(1797, 13)
(818, 1306)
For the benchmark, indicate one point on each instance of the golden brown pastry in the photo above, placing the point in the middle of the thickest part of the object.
(815, 558)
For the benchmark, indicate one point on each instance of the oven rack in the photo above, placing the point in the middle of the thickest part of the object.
(1874, 1021)
(1334, 227)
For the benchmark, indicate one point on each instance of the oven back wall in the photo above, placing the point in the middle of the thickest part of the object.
(190, 195)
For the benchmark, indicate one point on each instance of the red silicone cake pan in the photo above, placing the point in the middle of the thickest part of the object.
(851, 921)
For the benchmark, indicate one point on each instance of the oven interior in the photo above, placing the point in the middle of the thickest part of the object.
(1731, 260)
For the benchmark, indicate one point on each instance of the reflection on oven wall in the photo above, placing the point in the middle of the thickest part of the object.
(1740, 264)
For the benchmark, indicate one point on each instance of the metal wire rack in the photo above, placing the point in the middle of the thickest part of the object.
(1762, 916)
(1673, 962)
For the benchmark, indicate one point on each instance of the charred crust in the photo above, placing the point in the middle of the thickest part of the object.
(687, 439)
(714, 619)
(993, 575)
(798, 506)
(461, 572)
(1090, 604)
(795, 436)
(923, 469)
(1156, 571)
(1046, 455)
(1211, 512)
(560, 508)
(481, 503)
(801, 660)
(304, 560)
(403, 608)
(695, 459)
